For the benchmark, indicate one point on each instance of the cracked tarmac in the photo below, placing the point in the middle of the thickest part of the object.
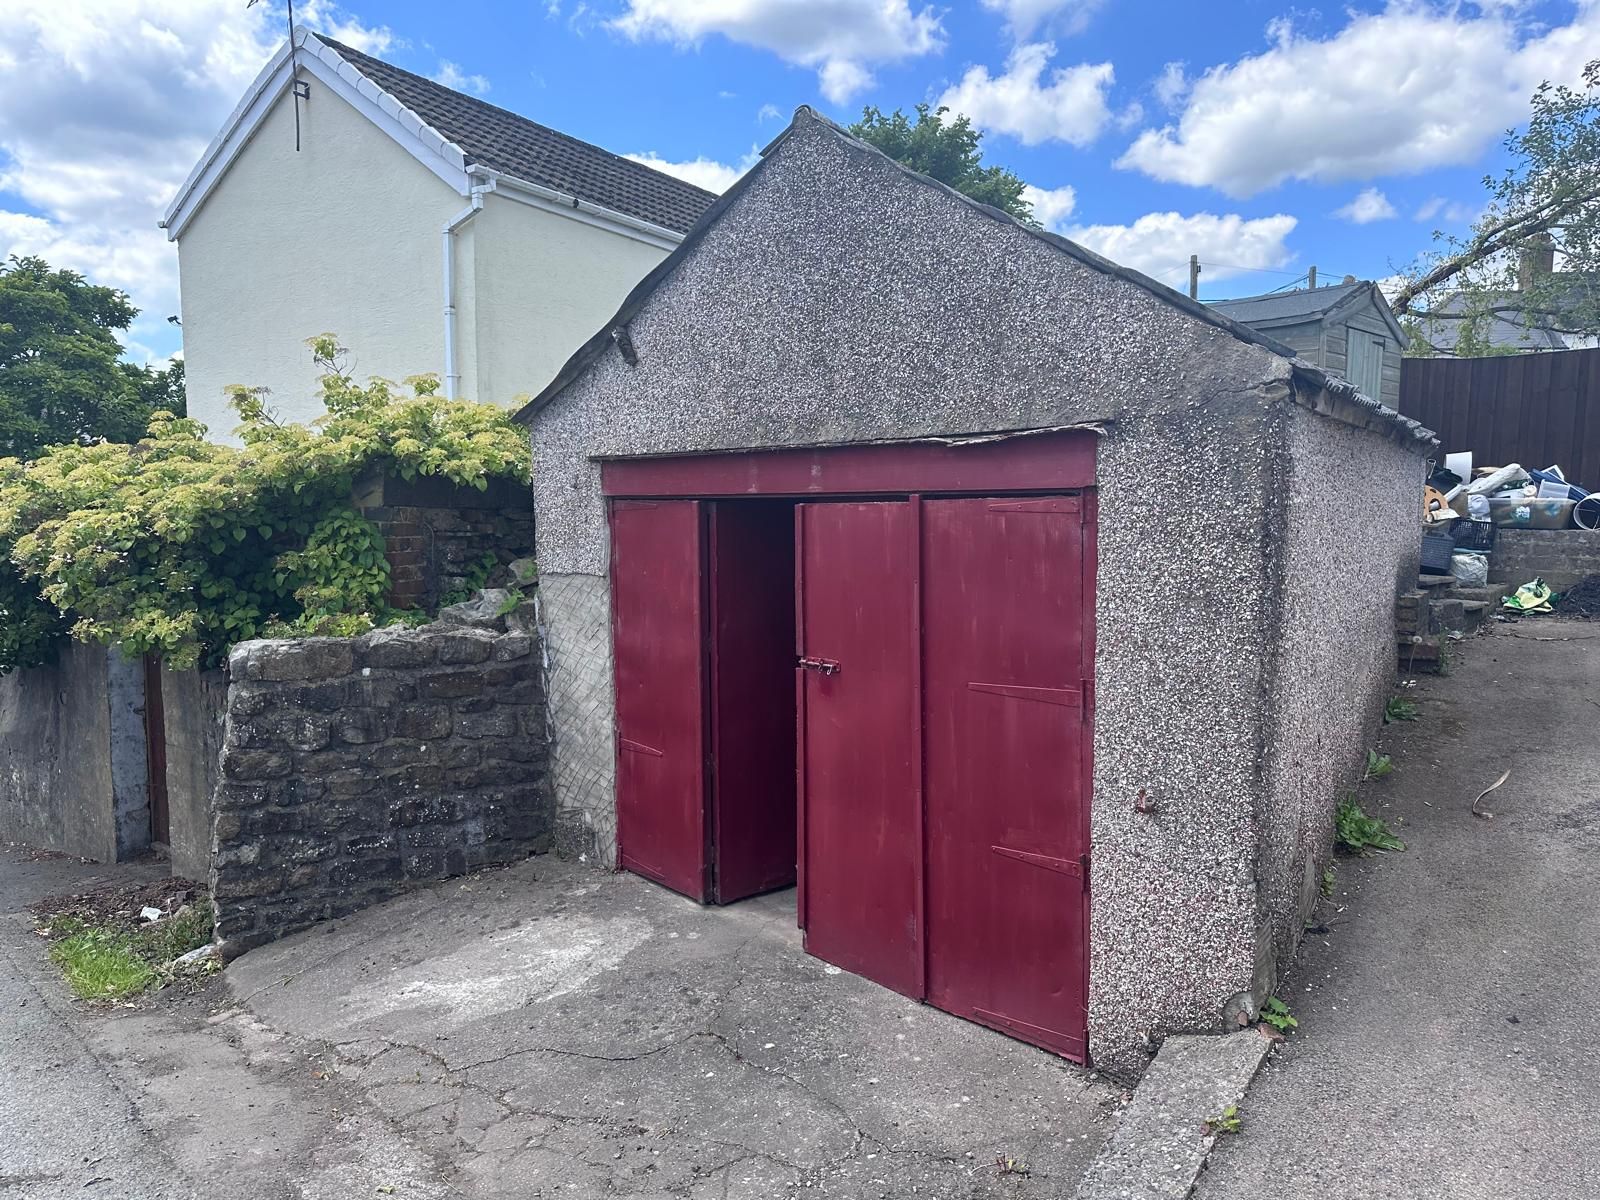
(544, 1031)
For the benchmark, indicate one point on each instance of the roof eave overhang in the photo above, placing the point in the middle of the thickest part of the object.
(424, 143)
(1341, 400)
(427, 145)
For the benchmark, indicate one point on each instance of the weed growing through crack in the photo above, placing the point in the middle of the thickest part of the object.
(1276, 1013)
(1378, 765)
(1006, 1165)
(1228, 1122)
(1357, 833)
(105, 963)
(1399, 709)
(1329, 878)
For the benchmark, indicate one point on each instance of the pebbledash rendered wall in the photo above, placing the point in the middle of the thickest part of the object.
(1248, 547)
(353, 769)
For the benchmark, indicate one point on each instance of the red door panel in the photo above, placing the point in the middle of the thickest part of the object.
(752, 683)
(1004, 674)
(861, 851)
(658, 642)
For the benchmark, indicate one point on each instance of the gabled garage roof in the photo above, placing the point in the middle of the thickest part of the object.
(454, 136)
(1333, 391)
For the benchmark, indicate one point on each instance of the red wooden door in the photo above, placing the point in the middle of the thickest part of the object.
(860, 752)
(1006, 668)
(753, 718)
(658, 644)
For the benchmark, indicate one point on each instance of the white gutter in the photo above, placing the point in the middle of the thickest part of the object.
(565, 200)
(452, 377)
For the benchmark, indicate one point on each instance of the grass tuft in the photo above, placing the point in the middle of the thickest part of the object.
(105, 963)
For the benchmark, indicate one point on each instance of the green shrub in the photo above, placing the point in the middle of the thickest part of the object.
(181, 547)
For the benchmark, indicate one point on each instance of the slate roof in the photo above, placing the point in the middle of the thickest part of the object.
(607, 335)
(524, 149)
(1307, 304)
(1512, 330)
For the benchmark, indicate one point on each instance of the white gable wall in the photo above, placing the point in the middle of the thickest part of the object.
(344, 237)
(544, 284)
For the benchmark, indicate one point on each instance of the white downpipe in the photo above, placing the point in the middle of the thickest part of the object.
(452, 377)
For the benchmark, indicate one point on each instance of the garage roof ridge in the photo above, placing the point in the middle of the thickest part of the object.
(1306, 372)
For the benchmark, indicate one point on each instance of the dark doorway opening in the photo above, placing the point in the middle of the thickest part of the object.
(703, 633)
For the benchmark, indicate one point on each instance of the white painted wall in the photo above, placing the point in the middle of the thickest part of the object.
(544, 284)
(344, 237)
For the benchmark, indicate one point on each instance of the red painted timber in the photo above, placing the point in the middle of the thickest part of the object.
(658, 644)
(859, 746)
(753, 714)
(1041, 462)
(1005, 706)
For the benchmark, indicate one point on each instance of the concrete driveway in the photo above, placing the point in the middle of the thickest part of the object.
(1448, 1014)
(551, 1031)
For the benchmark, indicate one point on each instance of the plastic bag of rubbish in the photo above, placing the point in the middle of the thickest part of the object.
(1469, 570)
(1532, 597)
(1478, 508)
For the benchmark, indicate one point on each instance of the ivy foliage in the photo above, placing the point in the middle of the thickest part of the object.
(182, 547)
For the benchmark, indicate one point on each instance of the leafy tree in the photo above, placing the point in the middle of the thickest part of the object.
(62, 378)
(182, 547)
(948, 151)
(1548, 196)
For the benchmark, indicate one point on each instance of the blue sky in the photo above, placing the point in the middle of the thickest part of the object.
(1262, 136)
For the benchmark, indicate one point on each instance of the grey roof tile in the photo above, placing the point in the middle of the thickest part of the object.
(1309, 303)
(524, 149)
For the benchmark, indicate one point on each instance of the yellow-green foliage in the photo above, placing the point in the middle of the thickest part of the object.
(183, 547)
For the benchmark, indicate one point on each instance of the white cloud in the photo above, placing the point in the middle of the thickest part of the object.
(1172, 85)
(453, 77)
(1159, 244)
(839, 79)
(1401, 91)
(840, 39)
(1368, 206)
(105, 105)
(702, 172)
(768, 112)
(1069, 107)
(1451, 211)
(1064, 17)
(1051, 206)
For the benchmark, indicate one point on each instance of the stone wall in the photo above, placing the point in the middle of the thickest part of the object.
(356, 768)
(437, 533)
(1560, 557)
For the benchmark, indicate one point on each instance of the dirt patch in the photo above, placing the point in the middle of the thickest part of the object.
(120, 905)
(1582, 599)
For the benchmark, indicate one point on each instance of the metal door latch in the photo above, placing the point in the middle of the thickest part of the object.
(826, 665)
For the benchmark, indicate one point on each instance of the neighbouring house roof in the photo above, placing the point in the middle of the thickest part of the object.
(459, 138)
(1510, 330)
(513, 145)
(1278, 309)
(1334, 390)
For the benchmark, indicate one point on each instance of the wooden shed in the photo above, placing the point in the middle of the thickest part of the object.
(1346, 329)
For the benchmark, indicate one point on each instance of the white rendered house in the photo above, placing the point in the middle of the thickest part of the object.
(430, 231)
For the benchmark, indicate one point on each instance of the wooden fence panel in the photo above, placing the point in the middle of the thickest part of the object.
(1533, 409)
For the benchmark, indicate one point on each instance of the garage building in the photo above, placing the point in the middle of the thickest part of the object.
(1027, 616)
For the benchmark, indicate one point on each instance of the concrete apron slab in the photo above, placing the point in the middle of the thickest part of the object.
(1160, 1147)
(553, 1031)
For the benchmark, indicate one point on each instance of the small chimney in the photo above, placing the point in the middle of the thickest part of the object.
(1538, 259)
